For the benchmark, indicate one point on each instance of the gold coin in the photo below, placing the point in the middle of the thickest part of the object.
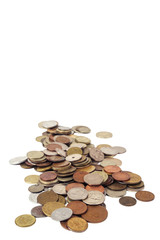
(48, 182)
(137, 186)
(74, 150)
(134, 178)
(103, 134)
(90, 168)
(43, 169)
(64, 179)
(32, 179)
(102, 145)
(40, 138)
(81, 139)
(35, 154)
(49, 207)
(77, 224)
(61, 199)
(25, 220)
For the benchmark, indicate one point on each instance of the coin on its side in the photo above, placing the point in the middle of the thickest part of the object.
(77, 224)
(61, 214)
(112, 193)
(25, 220)
(145, 196)
(127, 201)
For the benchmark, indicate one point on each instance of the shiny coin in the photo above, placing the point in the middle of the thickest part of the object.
(145, 196)
(79, 145)
(127, 201)
(83, 129)
(25, 220)
(103, 174)
(73, 157)
(49, 124)
(121, 176)
(18, 160)
(61, 214)
(102, 145)
(111, 161)
(36, 188)
(49, 207)
(59, 189)
(103, 134)
(32, 179)
(37, 212)
(77, 193)
(77, 207)
(93, 179)
(112, 169)
(81, 139)
(77, 224)
(120, 150)
(95, 214)
(112, 193)
(96, 154)
(48, 196)
(94, 198)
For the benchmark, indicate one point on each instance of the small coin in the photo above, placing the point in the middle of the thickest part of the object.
(93, 179)
(77, 193)
(49, 207)
(48, 196)
(79, 145)
(40, 138)
(49, 124)
(121, 176)
(77, 207)
(48, 176)
(74, 185)
(25, 220)
(109, 151)
(96, 154)
(62, 139)
(145, 196)
(73, 157)
(59, 189)
(49, 153)
(94, 198)
(117, 186)
(112, 193)
(103, 134)
(83, 129)
(32, 179)
(111, 161)
(95, 188)
(112, 169)
(120, 150)
(127, 201)
(18, 160)
(95, 214)
(109, 181)
(77, 224)
(82, 139)
(36, 188)
(61, 214)
(37, 212)
(35, 154)
(74, 150)
(88, 169)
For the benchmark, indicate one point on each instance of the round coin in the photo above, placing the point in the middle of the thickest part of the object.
(121, 176)
(117, 186)
(50, 124)
(36, 188)
(18, 160)
(77, 224)
(73, 157)
(37, 212)
(61, 214)
(83, 129)
(73, 185)
(48, 176)
(95, 188)
(49, 207)
(81, 139)
(35, 154)
(111, 161)
(25, 220)
(96, 154)
(134, 178)
(77, 207)
(77, 193)
(145, 196)
(94, 198)
(120, 150)
(32, 179)
(112, 193)
(48, 196)
(95, 214)
(79, 176)
(59, 189)
(112, 169)
(93, 179)
(103, 134)
(109, 151)
(127, 201)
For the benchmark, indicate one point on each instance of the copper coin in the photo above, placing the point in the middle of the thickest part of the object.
(121, 176)
(96, 154)
(48, 196)
(44, 164)
(108, 182)
(62, 139)
(79, 176)
(112, 169)
(95, 214)
(61, 164)
(73, 185)
(55, 158)
(48, 176)
(37, 212)
(127, 201)
(77, 207)
(64, 224)
(145, 196)
(52, 147)
(95, 188)
(117, 186)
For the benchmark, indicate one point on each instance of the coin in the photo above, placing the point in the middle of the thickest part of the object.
(103, 174)
(62, 139)
(49, 124)
(77, 193)
(137, 186)
(112, 193)
(37, 212)
(74, 150)
(102, 145)
(48, 176)
(111, 161)
(61, 152)
(109, 151)
(88, 169)
(117, 186)
(79, 145)
(96, 154)
(61, 199)
(35, 154)
(94, 198)
(52, 147)
(36, 188)
(48, 196)
(73, 157)
(134, 178)
(82, 139)
(74, 185)
(112, 169)
(55, 158)
(77, 207)
(40, 138)
(103, 134)
(93, 179)
(49, 153)
(95, 188)
(95, 214)
(127, 201)
(145, 196)
(121, 176)
(61, 214)
(120, 150)
(18, 160)
(83, 129)
(33, 197)
(25, 220)
(49, 207)
(59, 189)
(109, 181)
(32, 179)
(77, 224)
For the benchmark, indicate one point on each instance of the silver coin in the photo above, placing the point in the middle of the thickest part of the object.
(62, 128)
(59, 189)
(112, 193)
(33, 197)
(109, 151)
(93, 179)
(49, 124)
(77, 193)
(79, 145)
(94, 198)
(111, 161)
(61, 214)
(18, 160)
(120, 149)
(49, 153)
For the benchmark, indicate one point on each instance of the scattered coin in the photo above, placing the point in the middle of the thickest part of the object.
(145, 196)
(37, 212)
(120, 150)
(95, 214)
(109, 151)
(95, 188)
(112, 169)
(117, 186)
(73, 185)
(77, 193)
(77, 224)
(121, 176)
(61, 214)
(25, 220)
(49, 124)
(36, 188)
(113, 193)
(111, 161)
(32, 179)
(134, 178)
(103, 134)
(77, 207)
(94, 198)
(48, 196)
(49, 207)
(81, 139)
(127, 201)
(18, 160)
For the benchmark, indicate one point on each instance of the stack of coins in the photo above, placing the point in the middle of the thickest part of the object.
(75, 177)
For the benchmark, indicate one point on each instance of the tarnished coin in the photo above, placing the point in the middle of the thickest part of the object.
(74, 150)
(95, 214)
(33, 197)
(37, 212)
(121, 176)
(88, 169)
(77, 193)
(49, 124)
(77, 207)
(61, 214)
(48, 176)
(112, 169)
(134, 178)
(117, 186)
(18, 160)
(62, 139)
(74, 185)
(111, 161)
(145, 196)
(109, 151)
(137, 186)
(112, 193)
(48, 196)
(83, 129)
(61, 199)
(73, 157)
(32, 179)
(95, 188)
(25, 220)
(93, 179)
(82, 139)
(52, 147)
(35, 154)
(49, 207)
(77, 224)
(127, 201)
(94, 198)
(61, 152)
(36, 188)
(96, 154)
(55, 158)
(59, 189)
(103, 134)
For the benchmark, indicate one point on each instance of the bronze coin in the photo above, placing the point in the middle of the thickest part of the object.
(61, 164)
(25, 166)
(95, 188)
(127, 201)
(95, 214)
(48, 176)
(108, 182)
(137, 186)
(55, 158)
(52, 147)
(77, 207)
(117, 186)
(73, 185)
(48, 196)
(134, 178)
(77, 224)
(112, 169)
(79, 176)
(145, 196)
(121, 176)
(44, 164)
(96, 154)
(62, 139)
(37, 212)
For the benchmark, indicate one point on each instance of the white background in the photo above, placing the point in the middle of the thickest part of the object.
(81, 62)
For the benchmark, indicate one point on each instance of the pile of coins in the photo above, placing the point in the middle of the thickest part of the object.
(75, 177)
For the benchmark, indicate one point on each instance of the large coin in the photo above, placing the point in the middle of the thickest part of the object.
(77, 224)
(94, 198)
(25, 220)
(77, 207)
(18, 160)
(61, 214)
(93, 179)
(49, 207)
(48, 196)
(77, 193)
(96, 154)
(145, 196)
(35, 154)
(95, 214)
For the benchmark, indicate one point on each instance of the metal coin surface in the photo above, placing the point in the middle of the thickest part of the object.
(77, 207)
(95, 214)
(109, 151)
(61, 199)
(103, 134)
(120, 150)
(88, 169)
(112, 169)
(111, 161)
(73, 157)
(55, 158)
(77, 193)
(25, 220)
(117, 186)
(49, 124)
(95, 188)
(83, 129)
(61, 214)
(61, 152)
(74, 185)
(96, 154)
(48, 176)
(121, 176)
(82, 139)
(93, 179)
(52, 147)
(94, 198)
(102, 145)
(35, 154)
(77, 224)
(74, 150)
(103, 174)
(127, 201)
(36, 188)
(18, 160)
(33, 197)
(137, 186)
(134, 178)
(59, 189)
(49, 207)
(145, 196)
(62, 139)
(48, 196)
(32, 179)
(37, 212)
(112, 193)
